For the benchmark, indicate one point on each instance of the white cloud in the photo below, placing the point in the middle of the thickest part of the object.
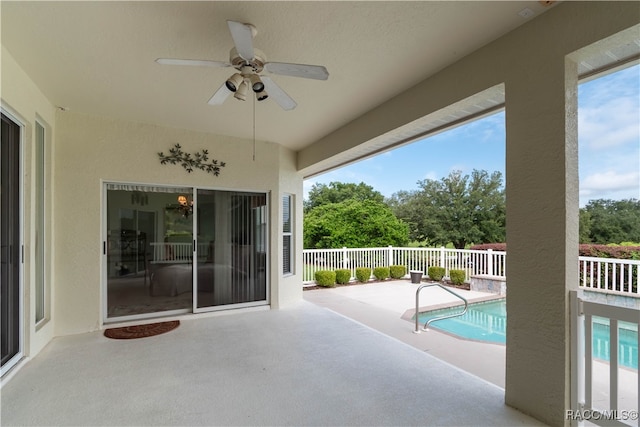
(612, 181)
(610, 124)
(610, 185)
(609, 137)
(609, 110)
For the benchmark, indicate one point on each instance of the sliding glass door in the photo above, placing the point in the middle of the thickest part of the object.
(149, 250)
(232, 248)
(162, 243)
(10, 245)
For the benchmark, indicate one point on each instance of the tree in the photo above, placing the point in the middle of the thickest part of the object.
(354, 224)
(460, 209)
(410, 207)
(585, 226)
(606, 221)
(336, 192)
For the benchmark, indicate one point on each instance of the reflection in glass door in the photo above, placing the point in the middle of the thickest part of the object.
(149, 250)
(232, 248)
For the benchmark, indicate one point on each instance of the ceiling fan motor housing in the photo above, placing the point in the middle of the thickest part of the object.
(254, 65)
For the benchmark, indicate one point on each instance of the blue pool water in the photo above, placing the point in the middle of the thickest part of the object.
(487, 322)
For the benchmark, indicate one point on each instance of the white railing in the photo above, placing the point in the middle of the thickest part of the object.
(602, 391)
(170, 253)
(473, 262)
(596, 274)
(333, 259)
(610, 274)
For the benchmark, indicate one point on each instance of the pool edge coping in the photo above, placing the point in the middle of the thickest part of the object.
(408, 314)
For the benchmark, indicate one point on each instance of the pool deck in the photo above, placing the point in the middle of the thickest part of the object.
(388, 306)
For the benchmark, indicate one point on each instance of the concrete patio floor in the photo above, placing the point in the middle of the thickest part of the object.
(388, 306)
(303, 365)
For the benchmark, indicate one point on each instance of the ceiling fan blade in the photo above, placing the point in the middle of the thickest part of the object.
(280, 96)
(317, 72)
(242, 36)
(192, 62)
(220, 96)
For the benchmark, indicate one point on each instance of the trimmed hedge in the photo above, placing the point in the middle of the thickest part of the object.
(585, 249)
(363, 274)
(343, 275)
(487, 246)
(606, 251)
(326, 278)
(397, 271)
(436, 273)
(457, 276)
(381, 273)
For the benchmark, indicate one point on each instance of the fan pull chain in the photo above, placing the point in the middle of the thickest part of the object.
(254, 129)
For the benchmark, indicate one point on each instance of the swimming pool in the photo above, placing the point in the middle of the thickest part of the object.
(487, 322)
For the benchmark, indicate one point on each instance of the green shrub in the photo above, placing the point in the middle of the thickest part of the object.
(457, 276)
(397, 271)
(343, 276)
(436, 273)
(326, 278)
(363, 274)
(381, 273)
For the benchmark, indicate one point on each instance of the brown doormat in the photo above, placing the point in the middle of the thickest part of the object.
(141, 331)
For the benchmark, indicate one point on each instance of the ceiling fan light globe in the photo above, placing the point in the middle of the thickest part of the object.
(234, 82)
(256, 83)
(241, 93)
(262, 95)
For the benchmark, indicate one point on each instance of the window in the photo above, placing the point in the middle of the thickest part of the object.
(287, 234)
(41, 311)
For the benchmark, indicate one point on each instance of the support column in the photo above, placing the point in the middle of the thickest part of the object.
(542, 234)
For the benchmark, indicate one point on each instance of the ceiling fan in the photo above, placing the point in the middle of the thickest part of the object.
(249, 63)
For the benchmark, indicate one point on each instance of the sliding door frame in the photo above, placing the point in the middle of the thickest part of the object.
(267, 300)
(13, 361)
(194, 309)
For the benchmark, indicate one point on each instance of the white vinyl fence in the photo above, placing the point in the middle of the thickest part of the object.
(171, 253)
(603, 393)
(596, 274)
(610, 274)
(489, 262)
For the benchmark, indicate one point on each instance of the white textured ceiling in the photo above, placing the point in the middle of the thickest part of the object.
(98, 57)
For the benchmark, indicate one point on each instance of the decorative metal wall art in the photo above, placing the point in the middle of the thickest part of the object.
(197, 161)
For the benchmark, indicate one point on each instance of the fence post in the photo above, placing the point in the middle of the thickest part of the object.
(345, 260)
(490, 262)
(390, 255)
(442, 264)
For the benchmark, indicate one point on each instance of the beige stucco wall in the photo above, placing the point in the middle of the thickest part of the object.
(91, 150)
(290, 180)
(537, 63)
(21, 98)
(85, 151)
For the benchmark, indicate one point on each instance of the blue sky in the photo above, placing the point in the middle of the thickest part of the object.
(608, 134)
